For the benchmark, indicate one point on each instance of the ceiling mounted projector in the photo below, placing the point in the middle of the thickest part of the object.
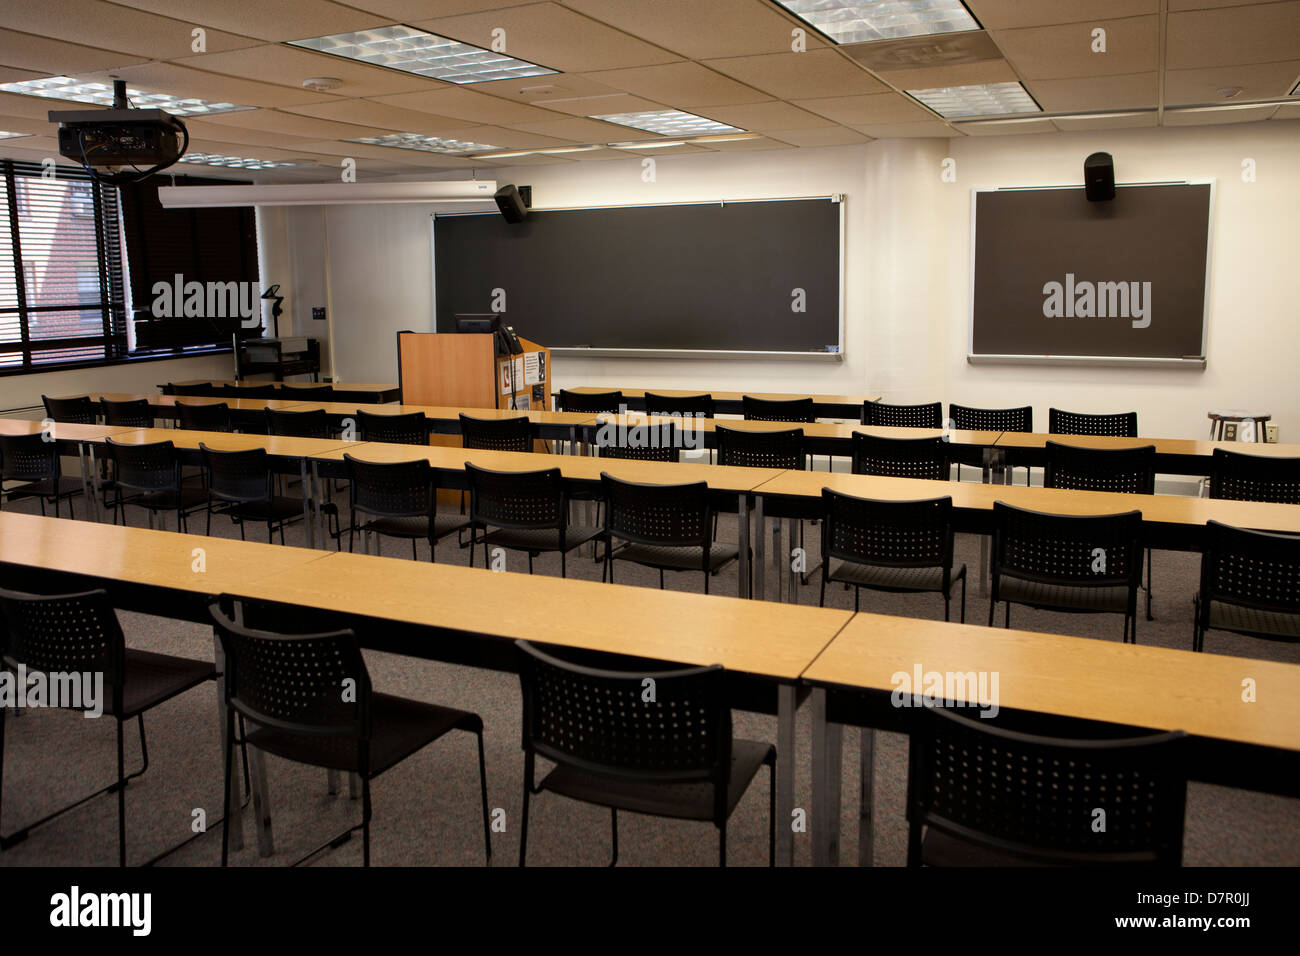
(113, 138)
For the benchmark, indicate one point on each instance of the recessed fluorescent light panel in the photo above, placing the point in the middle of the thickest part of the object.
(983, 99)
(414, 51)
(76, 91)
(845, 21)
(429, 144)
(669, 123)
(235, 162)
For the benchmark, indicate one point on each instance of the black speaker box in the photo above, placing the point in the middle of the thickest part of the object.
(1098, 177)
(512, 203)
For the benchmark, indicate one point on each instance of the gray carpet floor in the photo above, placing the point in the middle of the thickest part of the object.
(426, 810)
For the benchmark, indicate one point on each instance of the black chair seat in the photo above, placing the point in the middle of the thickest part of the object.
(538, 540)
(1254, 621)
(1062, 597)
(400, 728)
(153, 678)
(65, 486)
(679, 558)
(278, 508)
(685, 801)
(415, 526)
(944, 849)
(190, 499)
(882, 578)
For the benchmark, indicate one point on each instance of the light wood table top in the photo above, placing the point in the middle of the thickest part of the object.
(1132, 684)
(338, 386)
(772, 640)
(1170, 509)
(143, 556)
(1163, 446)
(574, 467)
(275, 445)
(451, 413)
(62, 431)
(726, 396)
(832, 430)
(235, 404)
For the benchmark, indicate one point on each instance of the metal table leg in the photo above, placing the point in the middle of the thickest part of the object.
(760, 549)
(261, 803)
(776, 558)
(308, 519)
(236, 818)
(85, 481)
(866, 820)
(826, 768)
(787, 704)
(743, 569)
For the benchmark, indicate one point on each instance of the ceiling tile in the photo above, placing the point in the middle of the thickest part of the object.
(872, 108)
(289, 66)
(296, 20)
(380, 116)
(183, 81)
(800, 75)
(925, 52)
(825, 136)
(700, 30)
(1260, 81)
(379, 154)
(1097, 93)
(109, 26)
(958, 74)
(408, 11)
(1260, 33)
(1008, 14)
(1007, 129)
(1066, 51)
(749, 145)
(1216, 117)
(538, 90)
(288, 124)
(10, 75)
(1287, 111)
(664, 150)
(550, 35)
(577, 130)
(931, 128)
(468, 105)
(502, 137)
(604, 105)
(28, 52)
(249, 137)
(545, 159)
(684, 85)
(1138, 121)
(765, 116)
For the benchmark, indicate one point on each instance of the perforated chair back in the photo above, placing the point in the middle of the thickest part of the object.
(699, 406)
(900, 457)
(74, 411)
(239, 477)
(762, 449)
(1129, 471)
(410, 428)
(967, 418)
(200, 389)
(496, 434)
(1069, 550)
(149, 468)
(896, 534)
(132, 414)
(664, 515)
(929, 415)
(313, 423)
(294, 683)
(593, 402)
(644, 442)
(65, 634)
(1250, 569)
(204, 418)
(598, 720)
(517, 499)
(28, 458)
(778, 410)
(1119, 425)
(402, 489)
(1254, 477)
(1037, 798)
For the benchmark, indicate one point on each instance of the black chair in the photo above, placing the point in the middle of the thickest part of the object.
(1089, 564)
(1129, 471)
(35, 462)
(201, 389)
(316, 393)
(496, 434)
(527, 510)
(967, 418)
(897, 546)
(653, 442)
(979, 795)
(784, 449)
(1250, 584)
(131, 414)
(250, 391)
(929, 415)
(152, 474)
(408, 429)
(75, 411)
(313, 423)
(401, 501)
(665, 527)
(287, 687)
(243, 484)
(1118, 425)
(697, 406)
(79, 634)
(204, 418)
(674, 756)
(900, 457)
(595, 403)
(778, 410)
(1254, 477)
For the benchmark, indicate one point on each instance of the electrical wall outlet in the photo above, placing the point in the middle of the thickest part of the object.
(1229, 431)
(1270, 433)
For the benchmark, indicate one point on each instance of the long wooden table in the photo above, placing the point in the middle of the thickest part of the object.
(366, 392)
(1174, 456)
(731, 403)
(1050, 684)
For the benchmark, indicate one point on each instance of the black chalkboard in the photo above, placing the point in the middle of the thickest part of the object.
(703, 276)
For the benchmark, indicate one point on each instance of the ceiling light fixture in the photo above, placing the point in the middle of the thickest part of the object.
(100, 94)
(428, 144)
(981, 99)
(238, 162)
(668, 123)
(402, 48)
(864, 20)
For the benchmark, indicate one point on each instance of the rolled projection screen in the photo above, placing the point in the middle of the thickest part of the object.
(1059, 279)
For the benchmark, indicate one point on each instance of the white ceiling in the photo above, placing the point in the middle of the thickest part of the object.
(728, 60)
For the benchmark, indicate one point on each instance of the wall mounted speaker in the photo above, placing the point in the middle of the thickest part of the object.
(511, 203)
(1098, 177)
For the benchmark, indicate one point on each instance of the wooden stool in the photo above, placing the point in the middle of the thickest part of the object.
(1224, 415)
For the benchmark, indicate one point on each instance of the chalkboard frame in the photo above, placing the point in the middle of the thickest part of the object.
(837, 355)
(1186, 362)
